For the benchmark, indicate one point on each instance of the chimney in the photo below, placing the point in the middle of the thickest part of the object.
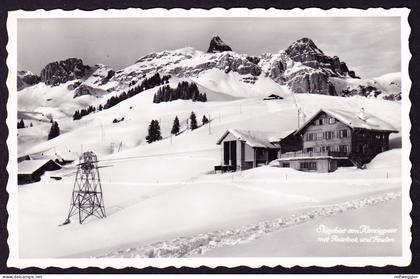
(362, 114)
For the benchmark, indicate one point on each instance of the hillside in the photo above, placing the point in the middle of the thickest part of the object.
(167, 189)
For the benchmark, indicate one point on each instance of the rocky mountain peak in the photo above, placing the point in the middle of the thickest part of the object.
(62, 71)
(26, 79)
(305, 49)
(217, 45)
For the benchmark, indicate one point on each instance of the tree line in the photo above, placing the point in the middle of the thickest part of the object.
(21, 124)
(146, 84)
(154, 133)
(184, 91)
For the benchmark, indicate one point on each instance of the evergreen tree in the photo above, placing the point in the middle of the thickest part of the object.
(175, 126)
(76, 115)
(100, 108)
(205, 120)
(54, 131)
(21, 124)
(193, 121)
(30, 125)
(153, 132)
(158, 135)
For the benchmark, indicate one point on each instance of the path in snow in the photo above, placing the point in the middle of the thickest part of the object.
(201, 243)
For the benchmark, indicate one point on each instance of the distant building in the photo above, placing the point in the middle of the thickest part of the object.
(334, 138)
(273, 97)
(30, 171)
(241, 149)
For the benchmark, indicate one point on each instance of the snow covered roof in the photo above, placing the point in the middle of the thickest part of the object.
(30, 166)
(354, 120)
(255, 138)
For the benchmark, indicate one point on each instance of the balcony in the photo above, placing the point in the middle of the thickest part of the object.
(300, 154)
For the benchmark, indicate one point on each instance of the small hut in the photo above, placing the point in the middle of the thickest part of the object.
(30, 171)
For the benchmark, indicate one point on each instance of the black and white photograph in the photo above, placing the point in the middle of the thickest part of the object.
(220, 137)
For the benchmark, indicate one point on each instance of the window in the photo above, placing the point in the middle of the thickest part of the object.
(318, 149)
(378, 137)
(325, 148)
(310, 136)
(309, 149)
(308, 166)
(344, 148)
(286, 165)
(332, 120)
(321, 121)
(328, 135)
(343, 134)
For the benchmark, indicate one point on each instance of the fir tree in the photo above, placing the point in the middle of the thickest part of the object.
(21, 124)
(54, 131)
(100, 108)
(153, 132)
(30, 125)
(205, 120)
(193, 121)
(158, 136)
(175, 126)
(76, 115)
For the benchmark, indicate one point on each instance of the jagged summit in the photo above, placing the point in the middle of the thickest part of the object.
(304, 47)
(62, 71)
(217, 45)
(305, 51)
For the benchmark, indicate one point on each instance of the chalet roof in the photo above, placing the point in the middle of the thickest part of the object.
(353, 120)
(30, 166)
(255, 138)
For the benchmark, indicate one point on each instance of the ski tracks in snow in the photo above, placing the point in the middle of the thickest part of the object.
(200, 243)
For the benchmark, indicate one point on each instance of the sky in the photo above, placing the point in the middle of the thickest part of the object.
(369, 45)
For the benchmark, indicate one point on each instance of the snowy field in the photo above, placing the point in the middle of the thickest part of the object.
(141, 214)
(166, 190)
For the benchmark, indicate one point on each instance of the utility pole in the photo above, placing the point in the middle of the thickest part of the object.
(87, 198)
(209, 124)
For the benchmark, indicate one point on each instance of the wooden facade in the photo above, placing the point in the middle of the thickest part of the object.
(332, 139)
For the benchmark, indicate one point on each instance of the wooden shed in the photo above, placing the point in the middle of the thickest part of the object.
(245, 149)
(30, 171)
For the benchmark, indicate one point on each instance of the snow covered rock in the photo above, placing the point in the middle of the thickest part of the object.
(311, 81)
(306, 52)
(56, 73)
(84, 89)
(386, 87)
(25, 79)
(217, 45)
(302, 67)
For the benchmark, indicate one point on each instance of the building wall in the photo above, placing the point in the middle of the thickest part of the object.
(244, 152)
(367, 144)
(249, 153)
(319, 141)
(323, 165)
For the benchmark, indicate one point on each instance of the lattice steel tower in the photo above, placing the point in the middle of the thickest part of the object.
(87, 198)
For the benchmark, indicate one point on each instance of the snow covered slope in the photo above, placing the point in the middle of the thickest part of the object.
(167, 189)
(387, 86)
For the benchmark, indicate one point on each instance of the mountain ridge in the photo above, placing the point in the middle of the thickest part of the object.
(302, 67)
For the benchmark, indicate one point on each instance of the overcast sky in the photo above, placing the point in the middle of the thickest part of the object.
(370, 46)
